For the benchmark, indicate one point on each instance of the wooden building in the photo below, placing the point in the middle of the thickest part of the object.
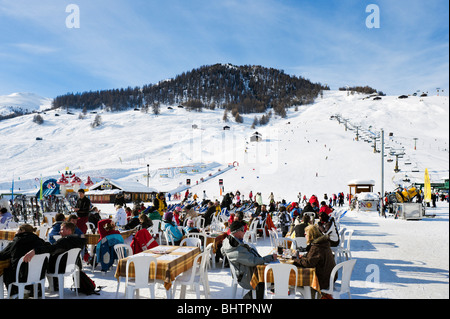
(108, 190)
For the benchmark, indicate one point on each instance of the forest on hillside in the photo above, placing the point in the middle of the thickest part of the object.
(243, 89)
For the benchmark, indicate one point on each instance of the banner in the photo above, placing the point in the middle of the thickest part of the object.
(427, 187)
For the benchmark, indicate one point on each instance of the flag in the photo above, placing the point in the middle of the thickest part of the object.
(40, 194)
(12, 191)
(427, 187)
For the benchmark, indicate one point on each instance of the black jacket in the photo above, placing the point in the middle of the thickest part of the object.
(20, 245)
(59, 247)
(84, 205)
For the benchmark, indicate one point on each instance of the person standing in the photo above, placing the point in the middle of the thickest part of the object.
(82, 208)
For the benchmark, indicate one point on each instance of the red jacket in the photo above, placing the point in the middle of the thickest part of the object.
(325, 209)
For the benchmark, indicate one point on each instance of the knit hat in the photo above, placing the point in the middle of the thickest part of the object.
(236, 226)
(168, 216)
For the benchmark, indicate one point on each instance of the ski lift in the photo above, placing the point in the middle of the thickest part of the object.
(408, 163)
(390, 160)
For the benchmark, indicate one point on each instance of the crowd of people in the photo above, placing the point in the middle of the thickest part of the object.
(305, 217)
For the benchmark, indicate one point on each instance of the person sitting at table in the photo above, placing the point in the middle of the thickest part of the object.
(24, 240)
(121, 217)
(145, 221)
(176, 215)
(56, 227)
(134, 220)
(244, 258)
(319, 255)
(109, 236)
(67, 241)
(73, 219)
(298, 229)
(169, 224)
(190, 227)
(4, 215)
(106, 227)
(327, 226)
(209, 214)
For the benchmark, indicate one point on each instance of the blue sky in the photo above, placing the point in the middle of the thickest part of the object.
(123, 43)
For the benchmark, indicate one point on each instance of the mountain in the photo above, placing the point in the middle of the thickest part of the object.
(23, 103)
(246, 88)
(308, 152)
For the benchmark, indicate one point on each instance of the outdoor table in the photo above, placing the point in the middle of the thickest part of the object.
(3, 265)
(7, 234)
(306, 278)
(172, 261)
(93, 239)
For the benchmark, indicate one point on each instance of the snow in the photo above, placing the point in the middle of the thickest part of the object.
(25, 102)
(313, 154)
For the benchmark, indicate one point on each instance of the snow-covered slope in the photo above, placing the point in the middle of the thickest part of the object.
(23, 102)
(308, 152)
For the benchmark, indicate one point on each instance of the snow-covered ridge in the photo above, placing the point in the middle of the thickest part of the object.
(24, 103)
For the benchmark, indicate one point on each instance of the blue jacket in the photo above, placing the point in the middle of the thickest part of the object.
(105, 250)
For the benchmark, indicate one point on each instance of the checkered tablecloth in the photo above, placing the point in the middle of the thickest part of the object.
(306, 277)
(7, 234)
(171, 263)
(92, 239)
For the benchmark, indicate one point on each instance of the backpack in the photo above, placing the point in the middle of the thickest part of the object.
(87, 285)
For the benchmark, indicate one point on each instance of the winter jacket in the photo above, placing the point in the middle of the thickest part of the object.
(56, 228)
(321, 257)
(105, 250)
(329, 228)
(174, 230)
(84, 205)
(16, 249)
(59, 247)
(121, 217)
(142, 241)
(244, 259)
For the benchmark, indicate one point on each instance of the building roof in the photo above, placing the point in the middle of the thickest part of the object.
(109, 186)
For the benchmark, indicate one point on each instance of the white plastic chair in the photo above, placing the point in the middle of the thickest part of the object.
(168, 237)
(142, 266)
(342, 286)
(263, 228)
(33, 278)
(122, 251)
(347, 234)
(300, 242)
(90, 228)
(273, 235)
(196, 276)
(342, 251)
(191, 241)
(234, 282)
(281, 273)
(202, 236)
(43, 229)
(200, 222)
(156, 230)
(70, 270)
